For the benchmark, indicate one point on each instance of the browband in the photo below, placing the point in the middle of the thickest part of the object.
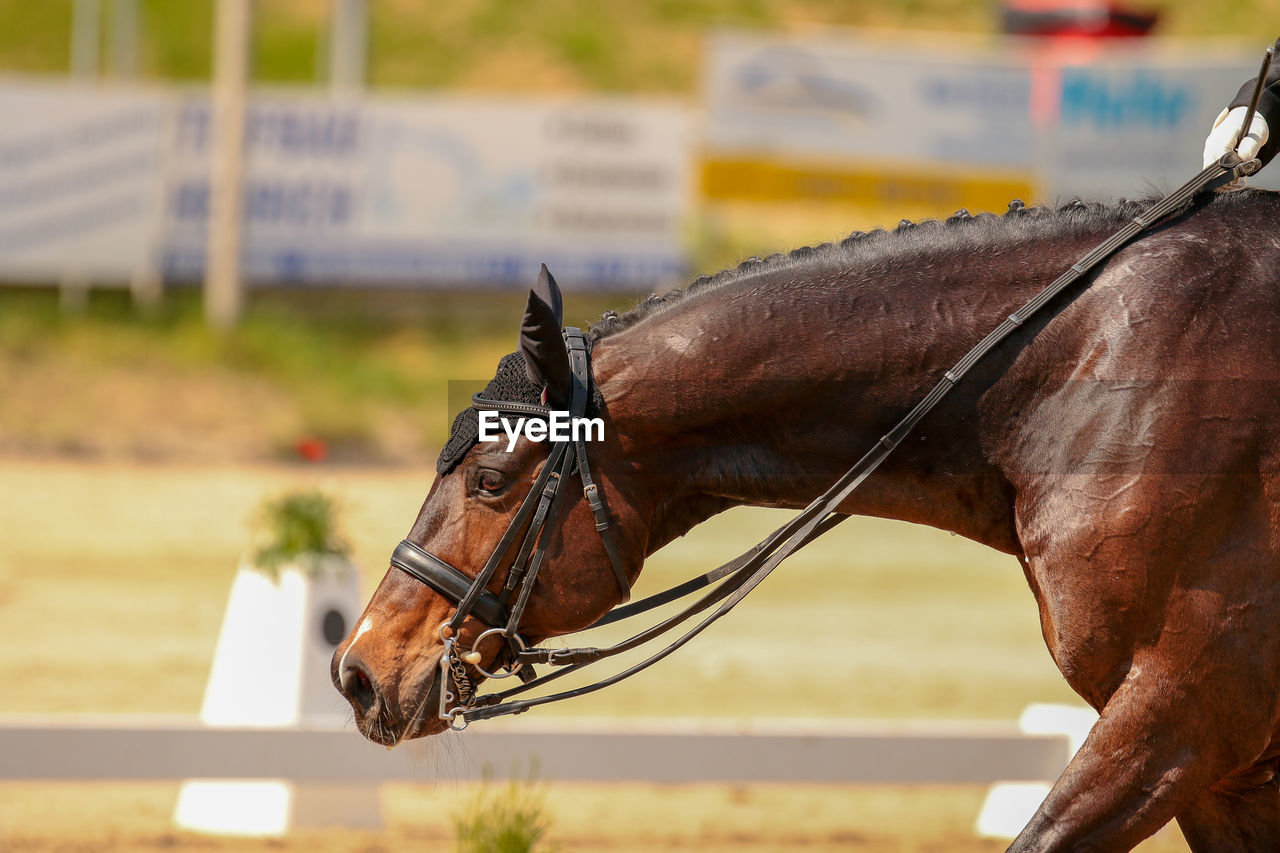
(446, 580)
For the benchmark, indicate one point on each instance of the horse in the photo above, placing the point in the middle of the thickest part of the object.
(1122, 444)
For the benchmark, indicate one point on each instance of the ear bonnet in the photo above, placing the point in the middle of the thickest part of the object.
(511, 383)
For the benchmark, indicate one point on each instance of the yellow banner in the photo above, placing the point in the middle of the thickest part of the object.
(757, 179)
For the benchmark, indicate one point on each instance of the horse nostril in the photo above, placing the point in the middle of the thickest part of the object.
(357, 686)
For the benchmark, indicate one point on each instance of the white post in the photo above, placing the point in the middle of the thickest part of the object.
(222, 286)
(86, 36)
(271, 669)
(124, 39)
(1009, 806)
(348, 40)
(145, 283)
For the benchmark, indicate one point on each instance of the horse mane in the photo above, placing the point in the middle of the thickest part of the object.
(960, 230)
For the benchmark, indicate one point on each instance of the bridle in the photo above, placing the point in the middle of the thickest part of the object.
(536, 512)
(459, 703)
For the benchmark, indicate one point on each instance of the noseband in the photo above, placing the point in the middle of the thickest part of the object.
(458, 702)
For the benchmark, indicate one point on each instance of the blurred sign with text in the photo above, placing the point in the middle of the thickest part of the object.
(80, 182)
(886, 120)
(425, 191)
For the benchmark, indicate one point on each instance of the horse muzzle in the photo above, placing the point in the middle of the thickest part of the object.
(385, 712)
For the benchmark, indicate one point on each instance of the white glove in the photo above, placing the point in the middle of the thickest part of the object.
(1225, 132)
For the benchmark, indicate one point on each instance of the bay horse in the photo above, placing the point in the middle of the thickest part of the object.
(1123, 445)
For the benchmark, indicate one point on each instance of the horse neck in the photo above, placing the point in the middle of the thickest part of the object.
(763, 391)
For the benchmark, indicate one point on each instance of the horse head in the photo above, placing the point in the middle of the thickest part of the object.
(488, 511)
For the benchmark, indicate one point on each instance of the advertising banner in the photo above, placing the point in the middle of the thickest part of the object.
(1132, 124)
(852, 97)
(856, 119)
(80, 181)
(433, 191)
(878, 119)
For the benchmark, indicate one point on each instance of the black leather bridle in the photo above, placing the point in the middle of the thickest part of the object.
(458, 702)
(536, 512)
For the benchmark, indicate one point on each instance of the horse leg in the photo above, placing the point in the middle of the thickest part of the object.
(1162, 740)
(1243, 815)
(1133, 774)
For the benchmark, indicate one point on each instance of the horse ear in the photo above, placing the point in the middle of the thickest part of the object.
(546, 362)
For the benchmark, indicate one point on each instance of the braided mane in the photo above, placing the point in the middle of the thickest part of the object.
(960, 230)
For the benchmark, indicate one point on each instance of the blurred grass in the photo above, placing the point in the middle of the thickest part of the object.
(504, 818)
(366, 373)
(113, 578)
(513, 45)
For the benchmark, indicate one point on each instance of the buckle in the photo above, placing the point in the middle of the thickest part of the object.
(560, 657)
(572, 657)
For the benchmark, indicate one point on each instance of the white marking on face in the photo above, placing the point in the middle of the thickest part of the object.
(360, 632)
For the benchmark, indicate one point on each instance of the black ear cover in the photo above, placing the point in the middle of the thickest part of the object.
(541, 343)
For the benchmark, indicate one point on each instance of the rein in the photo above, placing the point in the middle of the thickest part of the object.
(458, 703)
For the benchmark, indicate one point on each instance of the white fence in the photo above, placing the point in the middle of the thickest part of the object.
(138, 748)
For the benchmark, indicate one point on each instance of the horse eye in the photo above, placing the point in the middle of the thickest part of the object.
(491, 481)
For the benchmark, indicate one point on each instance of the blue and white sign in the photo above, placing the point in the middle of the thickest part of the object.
(1133, 123)
(80, 180)
(855, 97)
(1095, 121)
(431, 191)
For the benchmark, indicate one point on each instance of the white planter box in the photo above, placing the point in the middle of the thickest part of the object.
(271, 668)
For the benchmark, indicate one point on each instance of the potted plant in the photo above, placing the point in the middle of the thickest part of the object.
(299, 530)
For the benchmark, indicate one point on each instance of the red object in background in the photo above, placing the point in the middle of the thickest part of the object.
(1084, 19)
(311, 449)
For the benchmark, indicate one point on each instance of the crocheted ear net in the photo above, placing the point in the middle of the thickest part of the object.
(511, 383)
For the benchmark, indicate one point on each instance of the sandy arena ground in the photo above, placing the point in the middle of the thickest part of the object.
(631, 818)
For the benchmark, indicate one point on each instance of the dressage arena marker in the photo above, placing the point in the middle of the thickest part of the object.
(271, 669)
(1009, 806)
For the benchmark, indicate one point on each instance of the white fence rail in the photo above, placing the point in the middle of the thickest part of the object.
(148, 748)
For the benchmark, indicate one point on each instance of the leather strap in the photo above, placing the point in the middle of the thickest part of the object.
(580, 362)
(445, 579)
(539, 553)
